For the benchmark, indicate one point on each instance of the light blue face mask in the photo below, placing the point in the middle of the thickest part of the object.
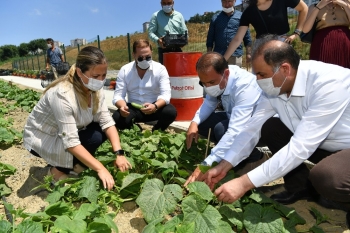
(167, 8)
(94, 84)
(267, 86)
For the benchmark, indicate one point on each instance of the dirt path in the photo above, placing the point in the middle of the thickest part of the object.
(30, 171)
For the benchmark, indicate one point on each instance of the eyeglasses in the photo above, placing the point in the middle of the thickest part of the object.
(147, 58)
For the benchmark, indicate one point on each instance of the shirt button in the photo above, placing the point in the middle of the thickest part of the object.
(64, 134)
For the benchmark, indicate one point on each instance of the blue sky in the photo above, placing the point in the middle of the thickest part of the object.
(26, 20)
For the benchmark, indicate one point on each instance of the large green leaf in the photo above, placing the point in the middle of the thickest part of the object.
(260, 219)
(132, 179)
(89, 189)
(5, 226)
(69, 225)
(157, 200)
(196, 210)
(201, 189)
(29, 226)
(233, 215)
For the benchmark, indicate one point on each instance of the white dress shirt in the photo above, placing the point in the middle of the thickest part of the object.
(317, 112)
(239, 99)
(154, 85)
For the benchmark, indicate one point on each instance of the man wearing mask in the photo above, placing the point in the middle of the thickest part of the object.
(147, 84)
(236, 90)
(54, 56)
(312, 100)
(223, 27)
(165, 20)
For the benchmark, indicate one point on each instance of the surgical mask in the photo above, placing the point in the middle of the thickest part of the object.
(144, 64)
(93, 84)
(49, 46)
(215, 90)
(227, 10)
(167, 8)
(267, 86)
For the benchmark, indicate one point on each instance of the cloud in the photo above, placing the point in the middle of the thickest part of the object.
(94, 10)
(35, 12)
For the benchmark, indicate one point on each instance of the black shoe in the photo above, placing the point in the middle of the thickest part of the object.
(286, 197)
(348, 219)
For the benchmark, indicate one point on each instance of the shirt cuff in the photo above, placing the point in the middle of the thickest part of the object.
(258, 177)
(211, 159)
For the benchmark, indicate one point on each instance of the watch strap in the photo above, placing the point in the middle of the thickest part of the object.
(119, 152)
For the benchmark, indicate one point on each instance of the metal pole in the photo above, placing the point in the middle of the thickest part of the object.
(129, 50)
(78, 48)
(98, 41)
(64, 53)
(33, 63)
(37, 56)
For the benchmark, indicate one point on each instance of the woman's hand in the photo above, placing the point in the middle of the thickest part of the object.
(106, 178)
(289, 39)
(122, 163)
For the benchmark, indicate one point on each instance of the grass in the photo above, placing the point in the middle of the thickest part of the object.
(116, 49)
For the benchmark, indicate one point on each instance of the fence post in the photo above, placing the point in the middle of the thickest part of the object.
(37, 56)
(129, 50)
(24, 65)
(98, 42)
(32, 63)
(64, 52)
(78, 47)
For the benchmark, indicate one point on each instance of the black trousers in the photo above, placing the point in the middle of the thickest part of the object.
(90, 138)
(330, 177)
(167, 50)
(164, 117)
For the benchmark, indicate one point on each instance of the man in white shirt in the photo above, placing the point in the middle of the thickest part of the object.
(236, 91)
(146, 83)
(311, 99)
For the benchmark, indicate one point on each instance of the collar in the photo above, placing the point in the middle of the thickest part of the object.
(299, 88)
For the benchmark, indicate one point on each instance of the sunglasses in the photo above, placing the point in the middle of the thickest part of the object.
(147, 58)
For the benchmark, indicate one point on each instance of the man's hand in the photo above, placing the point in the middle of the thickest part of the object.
(160, 42)
(217, 173)
(148, 108)
(122, 163)
(192, 133)
(124, 111)
(197, 175)
(234, 189)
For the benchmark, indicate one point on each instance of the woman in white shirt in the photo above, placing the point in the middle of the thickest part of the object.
(71, 120)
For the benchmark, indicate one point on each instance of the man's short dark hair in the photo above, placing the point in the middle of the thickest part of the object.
(212, 59)
(50, 40)
(275, 55)
(141, 43)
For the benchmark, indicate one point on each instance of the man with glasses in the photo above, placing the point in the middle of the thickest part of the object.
(147, 87)
(223, 27)
(239, 94)
(165, 20)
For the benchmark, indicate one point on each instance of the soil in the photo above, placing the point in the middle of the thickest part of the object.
(31, 170)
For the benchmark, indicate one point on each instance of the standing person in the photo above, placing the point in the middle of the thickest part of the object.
(331, 41)
(71, 120)
(223, 27)
(165, 20)
(146, 83)
(54, 56)
(312, 100)
(238, 92)
(268, 17)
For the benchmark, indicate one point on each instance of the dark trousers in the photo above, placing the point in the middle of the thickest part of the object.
(164, 117)
(90, 138)
(167, 50)
(218, 123)
(330, 177)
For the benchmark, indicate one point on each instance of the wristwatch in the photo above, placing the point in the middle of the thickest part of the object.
(119, 152)
(155, 106)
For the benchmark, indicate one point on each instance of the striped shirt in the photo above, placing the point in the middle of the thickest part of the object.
(52, 127)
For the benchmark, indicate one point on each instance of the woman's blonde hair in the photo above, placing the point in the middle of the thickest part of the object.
(87, 58)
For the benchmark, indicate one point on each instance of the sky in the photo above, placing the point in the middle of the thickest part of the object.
(65, 20)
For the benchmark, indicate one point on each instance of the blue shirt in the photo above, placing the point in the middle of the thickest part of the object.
(54, 55)
(161, 22)
(222, 29)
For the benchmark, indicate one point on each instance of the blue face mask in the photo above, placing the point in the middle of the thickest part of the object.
(167, 8)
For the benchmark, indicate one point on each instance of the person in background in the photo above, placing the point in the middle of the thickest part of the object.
(54, 56)
(312, 100)
(71, 120)
(331, 41)
(165, 20)
(268, 17)
(223, 27)
(146, 83)
(238, 92)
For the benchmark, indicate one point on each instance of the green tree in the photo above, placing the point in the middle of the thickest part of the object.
(8, 51)
(36, 45)
(23, 49)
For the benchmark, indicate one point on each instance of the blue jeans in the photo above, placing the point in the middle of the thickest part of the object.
(218, 122)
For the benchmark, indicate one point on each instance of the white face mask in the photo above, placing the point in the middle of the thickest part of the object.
(267, 86)
(49, 46)
(215, 90)
(93, 84)
(167, 8)
(227, 10)
(144, 64)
